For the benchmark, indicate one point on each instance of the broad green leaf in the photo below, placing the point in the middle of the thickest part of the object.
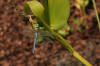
(35, 6)
(59, 11)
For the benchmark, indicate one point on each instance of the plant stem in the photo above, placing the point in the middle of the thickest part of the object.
(66, 44)
(97, 15)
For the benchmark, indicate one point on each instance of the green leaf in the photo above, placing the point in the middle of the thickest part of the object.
(37, 9)
(59, 11)
(35, 6)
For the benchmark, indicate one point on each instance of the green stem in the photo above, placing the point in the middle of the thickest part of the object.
(66, 44)
(97, 15)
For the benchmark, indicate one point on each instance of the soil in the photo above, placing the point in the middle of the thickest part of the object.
(16, 43)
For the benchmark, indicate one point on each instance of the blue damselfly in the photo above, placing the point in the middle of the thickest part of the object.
(40, 34)
(29, 19)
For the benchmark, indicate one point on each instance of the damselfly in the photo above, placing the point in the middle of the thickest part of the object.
(27, 19)
(39, 34)
(34, 26)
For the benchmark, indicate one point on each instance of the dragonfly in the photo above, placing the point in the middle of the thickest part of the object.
(38, 33)
(35, 27)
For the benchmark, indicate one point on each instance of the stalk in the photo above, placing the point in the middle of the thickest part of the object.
(97, 15)
(66, 44)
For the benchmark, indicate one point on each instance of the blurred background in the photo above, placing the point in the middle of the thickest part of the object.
(16, 39)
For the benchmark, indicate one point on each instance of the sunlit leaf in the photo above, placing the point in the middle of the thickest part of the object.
(36, 8)
(59, 12)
